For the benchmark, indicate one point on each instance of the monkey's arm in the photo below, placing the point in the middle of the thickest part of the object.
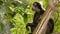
(29, 25)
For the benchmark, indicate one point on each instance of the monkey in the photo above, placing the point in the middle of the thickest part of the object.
(37, 8)
(38, 12)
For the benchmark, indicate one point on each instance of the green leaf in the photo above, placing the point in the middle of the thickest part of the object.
(1, 2)
(25, 17)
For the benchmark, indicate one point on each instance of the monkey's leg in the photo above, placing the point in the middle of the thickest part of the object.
(29, 25)
(50, 26)
(32, 27)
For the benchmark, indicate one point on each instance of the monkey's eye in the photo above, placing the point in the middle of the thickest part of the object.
(35, 5)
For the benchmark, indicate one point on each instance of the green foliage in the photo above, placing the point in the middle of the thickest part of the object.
(19, 14)
(1, 26)
(21, 18)
(55, 15)
(46, 2)
(19, 25)
(1, 3)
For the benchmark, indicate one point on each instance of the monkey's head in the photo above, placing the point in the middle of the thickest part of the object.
(36, 7)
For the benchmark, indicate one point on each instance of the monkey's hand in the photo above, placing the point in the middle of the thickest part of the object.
(29, 25)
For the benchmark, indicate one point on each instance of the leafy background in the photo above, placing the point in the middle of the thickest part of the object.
(15, 14)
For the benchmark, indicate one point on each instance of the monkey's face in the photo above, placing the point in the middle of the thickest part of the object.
(36, 7)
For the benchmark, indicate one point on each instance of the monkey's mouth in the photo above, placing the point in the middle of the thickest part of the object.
(34, 9)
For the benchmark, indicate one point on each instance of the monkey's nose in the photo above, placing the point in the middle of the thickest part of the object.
(33, 9)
